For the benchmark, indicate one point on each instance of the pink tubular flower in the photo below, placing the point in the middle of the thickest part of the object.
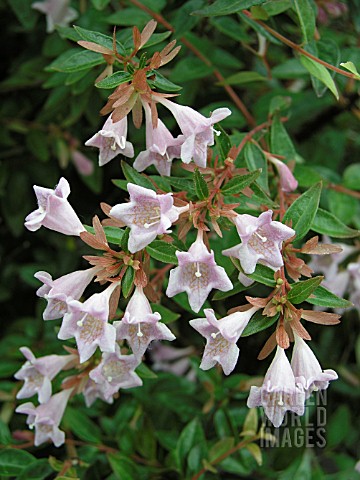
(111, 140)
(197, 274)
(287, 180)
(307, 369)
(261, 241)
(88, 323)
(116, 371)
(54, 211)
(279, 392)
(82, 163)
(92, 391)
(161, 146)
(140, 326)
(46, 418)
(60, 291)
(57, 12)
(221, 337)
(198, 130)
(37, 374)
(147, 214)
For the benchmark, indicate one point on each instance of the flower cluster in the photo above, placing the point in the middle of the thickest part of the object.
(108, 346)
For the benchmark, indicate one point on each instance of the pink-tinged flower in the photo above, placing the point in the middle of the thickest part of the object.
(37, 374)
(88, 323)
(335, 280)
(161, 146)
(147, 214)
(279, 392)
(307, 369)
(198, 130)
(82, 163)
(60, 291)
(116, 371)
(111, 140)
(174, 360)
(57, 12)
(140, 326)
(46, 418)
(352, 272)
(221, 337)
(92, 391)
(54, 211)
(287, 180)
(261, 241)
(197, 274)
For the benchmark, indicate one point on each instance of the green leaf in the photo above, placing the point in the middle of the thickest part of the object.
(37, 142)
(182, 184)
(163, 83)
(352, 176)
(241, 78)
(201, 187)
(38, 470)
(114, 80)
(306, 176)
(144, 372)
(328, 50)
(128, 282)
(120, 183)
(167, 316)
(135, 177)
(221, 447)
(100, 4)
(302, 212)
(263, 275)
(75, 60)
(262, 196)
(24, 12)
(162, 251)
(255, 159)
(327, 224)
(281, 143)
(191, 435)
(100, 39)
(300, 291)
(226, 7)
(189, 69)
(239, 182)
(305, 12)
(251, 421)
(125, 239)
(320, 72)
(80, 425)
(351, 67)
(259, 322)
(13, 461)
(223, 142)
(324, 298)
(113, 234)
(122, 466)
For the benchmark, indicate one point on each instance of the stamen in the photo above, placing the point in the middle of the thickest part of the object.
(148, 225)
(315, 389)
(80, 323)
(168, 159)
(217, 132)
(214, 335)
(109, 379)
(113, 146)
(31, 426)
(263, 239)
(197, 273)
(139, 333)
(280, 402)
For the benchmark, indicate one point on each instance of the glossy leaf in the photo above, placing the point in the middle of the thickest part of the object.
(259, 322)
(327, 224)
(114, 80)
(323, 297)
(162, 251)
(300, 291)
(239, 182)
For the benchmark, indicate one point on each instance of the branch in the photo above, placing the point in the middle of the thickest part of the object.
(297, 47)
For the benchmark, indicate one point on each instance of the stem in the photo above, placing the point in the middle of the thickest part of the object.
(347, 191)
(297, 47)
(226, 454)
(229, 90)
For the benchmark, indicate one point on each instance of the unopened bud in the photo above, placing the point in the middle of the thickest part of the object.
(279, 308)
(279, 281)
